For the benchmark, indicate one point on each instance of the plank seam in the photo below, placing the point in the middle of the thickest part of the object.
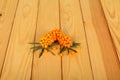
(35, 37)
(9, 38)
(86, 39)
(60, 28)
(59, 14)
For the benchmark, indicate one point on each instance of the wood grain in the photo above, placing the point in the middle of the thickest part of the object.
(77, 66)
(93, 43)
(47, 67)
(93, 23)
(112, 14)
(105, 63)
(7, 11)
(18, 60)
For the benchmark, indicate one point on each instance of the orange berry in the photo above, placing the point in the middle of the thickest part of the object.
(61, 54)
(54, 35)
(45, 51)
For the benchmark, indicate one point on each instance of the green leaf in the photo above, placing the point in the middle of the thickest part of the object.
(54, 44)
(68, 51)
(62, 50)
(41, 53)
(36, 48)
(75, 44)
(50, 51)
(34, 43)
(73, 50)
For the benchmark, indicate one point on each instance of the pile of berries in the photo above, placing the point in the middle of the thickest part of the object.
(55, 35)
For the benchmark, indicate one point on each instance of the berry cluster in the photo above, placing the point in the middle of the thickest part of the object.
(55, 35)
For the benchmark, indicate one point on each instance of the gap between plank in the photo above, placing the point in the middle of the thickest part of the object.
(60, 28)
(35, 37)
(59, 14)
(86, 39)
(9, 38)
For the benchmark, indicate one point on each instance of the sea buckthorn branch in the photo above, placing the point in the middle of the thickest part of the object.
(39, 47)
(53, 38)
(74, 45)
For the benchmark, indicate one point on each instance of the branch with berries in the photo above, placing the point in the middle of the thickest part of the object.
(53, 38)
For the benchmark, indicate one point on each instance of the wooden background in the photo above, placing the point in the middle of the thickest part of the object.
(93, 23)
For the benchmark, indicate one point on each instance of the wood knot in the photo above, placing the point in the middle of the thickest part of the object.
(0, 14)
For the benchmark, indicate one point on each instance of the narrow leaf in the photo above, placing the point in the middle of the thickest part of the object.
(73, 50)
(37, 48)
(34, 43)
(68, 51)
(62, 49)
(50, 51)
(75, 44)
(41, 53)
(54, 44)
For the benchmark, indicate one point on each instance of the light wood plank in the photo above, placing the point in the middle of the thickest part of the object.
(112, 13)
(18, 60)
(105, 63)
(75, 67)
(7, 11)
(93, 43)
(47, 67)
